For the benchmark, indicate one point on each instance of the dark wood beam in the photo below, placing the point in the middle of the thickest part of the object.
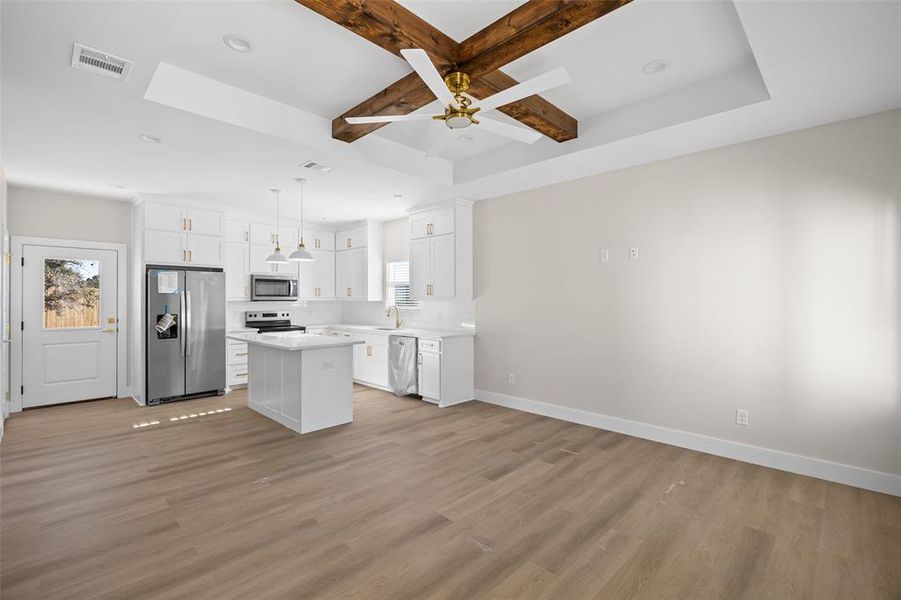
(392, 27)
(506, 40)
(388, 25)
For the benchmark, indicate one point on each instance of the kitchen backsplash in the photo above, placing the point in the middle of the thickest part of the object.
(302, 313)
(429, 315)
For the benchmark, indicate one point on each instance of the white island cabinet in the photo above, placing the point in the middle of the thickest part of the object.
(303, 381)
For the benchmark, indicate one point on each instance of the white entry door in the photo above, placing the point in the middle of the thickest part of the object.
(68, 325)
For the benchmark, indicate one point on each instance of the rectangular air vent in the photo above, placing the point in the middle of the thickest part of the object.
(310, 164)
(99, 62)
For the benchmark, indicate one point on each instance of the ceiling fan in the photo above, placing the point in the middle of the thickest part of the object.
(459, 112)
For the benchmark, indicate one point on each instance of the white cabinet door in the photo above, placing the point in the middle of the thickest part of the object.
(442, 267)
(164, 247)
(419, 225)
(319, 240)
(287, 238)
(430, 375)
(204, 222)
(204, 250)
(258, 254)
(237, 231)
(420, 268)
(307, 283)
(378, 365)
(237, 271)
(442, 221)
(262, 233)
(344, 273)
(358, 287)
(325, 274)
(351, 238)
(164, 218)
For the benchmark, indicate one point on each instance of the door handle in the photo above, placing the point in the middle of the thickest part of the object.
(111, 330)
(184, 325)
(187, 318)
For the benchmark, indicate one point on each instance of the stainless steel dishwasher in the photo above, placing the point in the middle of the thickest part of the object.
(402, 376)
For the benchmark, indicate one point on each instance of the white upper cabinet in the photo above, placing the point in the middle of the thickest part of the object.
(287, 238)
(164, 217)
(258, 264)
(432, 222)
(180, 235)
(441, 251)
(203, 222)
(359, 269)
(262, 233)
(319, 240)
(237, 271)
(164, 247)
(432, 268)
(237, 230)
(317, 278)
(204, 250)
(355, 237)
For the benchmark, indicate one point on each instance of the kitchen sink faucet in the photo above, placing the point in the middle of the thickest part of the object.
(397, 321)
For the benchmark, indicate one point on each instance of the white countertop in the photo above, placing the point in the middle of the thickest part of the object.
(412, 332)
(291, 340)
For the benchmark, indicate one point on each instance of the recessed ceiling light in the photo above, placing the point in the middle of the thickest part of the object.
(237, 43)
(653, 67)
(464, 139)
(397, 195)
(150, 139)
(119, 187)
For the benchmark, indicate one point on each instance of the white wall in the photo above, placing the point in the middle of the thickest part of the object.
(52, 214)
(767, 279)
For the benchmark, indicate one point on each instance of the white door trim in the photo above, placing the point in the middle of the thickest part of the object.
(15, 310)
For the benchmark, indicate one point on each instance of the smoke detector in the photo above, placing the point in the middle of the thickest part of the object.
(100, 62)
(311, 164)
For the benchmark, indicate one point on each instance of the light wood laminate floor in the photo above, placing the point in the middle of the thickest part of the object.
(412, 501)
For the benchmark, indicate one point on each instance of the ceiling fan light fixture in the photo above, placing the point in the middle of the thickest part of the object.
(458, 121)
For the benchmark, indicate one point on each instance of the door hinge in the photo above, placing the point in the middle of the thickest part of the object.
(8, 258)
(23, 261)
(22, 325)
(22, 390)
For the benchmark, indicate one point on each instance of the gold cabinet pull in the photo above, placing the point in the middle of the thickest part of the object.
(419, 359)
(190, 256)
(368, 350)
(190, 224)
(111, 330)
(184, 255)
(184, 224)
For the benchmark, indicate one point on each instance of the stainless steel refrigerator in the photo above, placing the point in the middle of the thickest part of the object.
(185, 333)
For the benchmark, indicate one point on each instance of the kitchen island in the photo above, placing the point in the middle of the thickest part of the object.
(304, 382)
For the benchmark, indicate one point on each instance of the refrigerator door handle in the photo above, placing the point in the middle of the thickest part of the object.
(182, 346)
(187, 322)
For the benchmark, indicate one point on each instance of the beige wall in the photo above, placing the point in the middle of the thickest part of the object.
(767, 279)
(44, 213)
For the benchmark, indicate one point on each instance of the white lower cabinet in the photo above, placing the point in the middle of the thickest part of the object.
(429, 370)
(237, 364)
(371, 360)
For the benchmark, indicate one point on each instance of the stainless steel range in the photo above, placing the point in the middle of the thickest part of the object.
(264, 321)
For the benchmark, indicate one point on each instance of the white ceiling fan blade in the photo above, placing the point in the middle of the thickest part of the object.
(423, 66)
(520, 134)
(527, 88)
(439, 143)
(386, 119)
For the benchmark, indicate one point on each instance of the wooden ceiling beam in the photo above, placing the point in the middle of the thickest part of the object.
(506, 40)
(394, 28)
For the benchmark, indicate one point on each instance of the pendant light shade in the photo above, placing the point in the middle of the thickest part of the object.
(301, 254)
(277, 257)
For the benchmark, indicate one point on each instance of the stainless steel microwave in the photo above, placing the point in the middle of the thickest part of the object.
(273, 287)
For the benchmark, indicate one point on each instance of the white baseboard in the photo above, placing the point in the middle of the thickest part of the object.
(867, 479)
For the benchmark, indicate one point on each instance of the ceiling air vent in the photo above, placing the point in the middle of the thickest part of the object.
(310, 164)
(99, 62)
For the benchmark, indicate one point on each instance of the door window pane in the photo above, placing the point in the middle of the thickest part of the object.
(71, 293)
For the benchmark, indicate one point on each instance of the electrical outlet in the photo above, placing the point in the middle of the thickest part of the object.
(511, 378)
(742, 415)
(633, 252)
(604, 255)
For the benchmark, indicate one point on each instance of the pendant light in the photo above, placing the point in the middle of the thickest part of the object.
(301, 254)
(277, 258)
